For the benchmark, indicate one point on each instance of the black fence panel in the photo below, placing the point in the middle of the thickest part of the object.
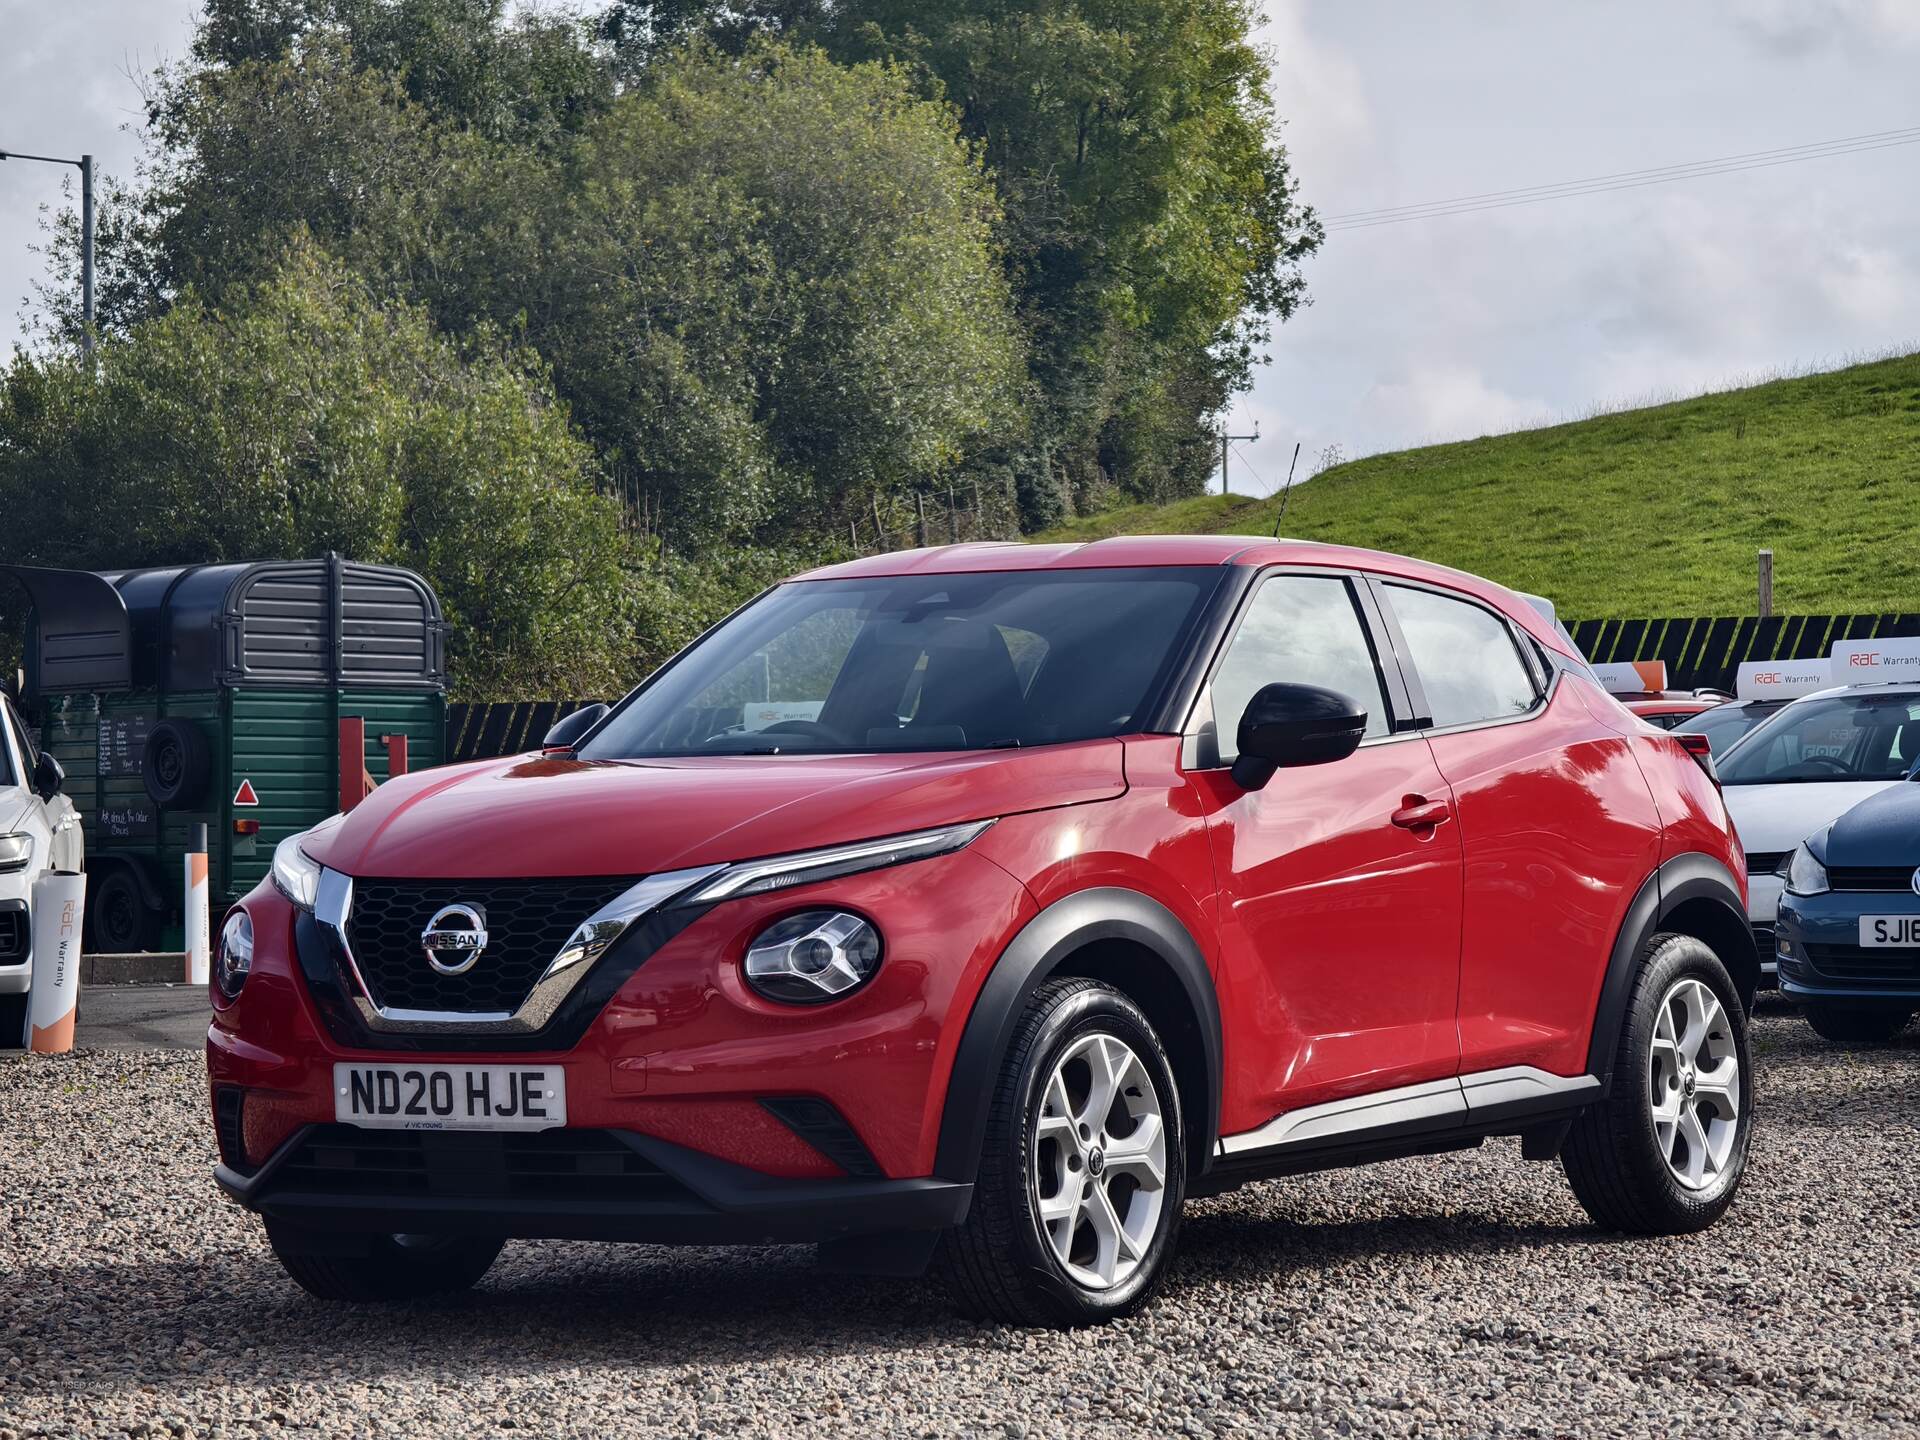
(1709, 651)
(503, 727)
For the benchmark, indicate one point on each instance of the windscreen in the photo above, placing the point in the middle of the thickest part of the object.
(1842, 737)
(926, 662)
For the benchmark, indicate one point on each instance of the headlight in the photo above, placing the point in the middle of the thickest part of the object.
(234, 960)
(16, 851)
(756, 877)
(1804, 874)
(813, 956)
(295, 873)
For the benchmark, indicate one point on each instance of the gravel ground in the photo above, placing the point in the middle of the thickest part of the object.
(1459, 1295)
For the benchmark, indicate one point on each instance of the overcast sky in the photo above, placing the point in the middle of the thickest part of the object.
(1441, 328)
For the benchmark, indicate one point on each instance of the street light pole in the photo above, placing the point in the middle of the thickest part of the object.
(85, 166)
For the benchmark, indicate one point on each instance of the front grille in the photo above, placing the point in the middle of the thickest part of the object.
(1857, 962)
(13, 936)
(563, 1165)
(1765, 862)
(527, 923)
(1876, 879)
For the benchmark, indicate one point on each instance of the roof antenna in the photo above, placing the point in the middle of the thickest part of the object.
(1286, 492)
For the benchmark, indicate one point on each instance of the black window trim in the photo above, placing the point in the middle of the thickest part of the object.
(1422, 708)
(1394, 683)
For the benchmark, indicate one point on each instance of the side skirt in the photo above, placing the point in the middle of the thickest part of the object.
(1425, 1119)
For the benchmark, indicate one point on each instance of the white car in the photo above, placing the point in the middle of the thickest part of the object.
(38, 829)
(1803, 767)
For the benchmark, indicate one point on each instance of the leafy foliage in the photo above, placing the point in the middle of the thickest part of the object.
(781, 263)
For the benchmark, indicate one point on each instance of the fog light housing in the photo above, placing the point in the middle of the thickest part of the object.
(233, 962)
(815, 956)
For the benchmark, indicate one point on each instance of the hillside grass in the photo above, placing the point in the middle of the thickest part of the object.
(1650, 512)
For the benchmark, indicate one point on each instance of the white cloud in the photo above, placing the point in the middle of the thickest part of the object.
(1437, 400)
(1795, 27)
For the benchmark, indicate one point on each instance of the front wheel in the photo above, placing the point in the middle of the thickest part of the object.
(1664, 1152)
(396, 1267)
(1083, 1171)
(1856, 1024)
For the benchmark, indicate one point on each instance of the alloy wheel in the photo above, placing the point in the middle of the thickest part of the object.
(1693, 1081)
(1099, 1163)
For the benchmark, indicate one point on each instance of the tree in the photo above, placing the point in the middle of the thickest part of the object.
(766, 285)
(304, 416)
(772, 290)
(1153, 233)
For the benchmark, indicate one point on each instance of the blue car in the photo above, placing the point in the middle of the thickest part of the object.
(1847, 935)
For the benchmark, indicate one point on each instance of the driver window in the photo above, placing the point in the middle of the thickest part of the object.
(1303, 630)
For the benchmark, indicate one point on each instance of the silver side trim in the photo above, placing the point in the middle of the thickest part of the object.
(1459, 1096)
(333, 903)
(1488, 1088)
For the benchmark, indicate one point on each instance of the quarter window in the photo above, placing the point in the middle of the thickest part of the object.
(1302, 630)
(1469, 666)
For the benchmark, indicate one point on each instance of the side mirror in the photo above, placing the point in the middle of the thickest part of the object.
(1290, 725)
(49, 775)
(566, 733)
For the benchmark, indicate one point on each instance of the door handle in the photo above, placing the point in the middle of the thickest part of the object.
(1420, 813)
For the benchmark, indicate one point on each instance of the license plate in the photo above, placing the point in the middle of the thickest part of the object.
(1890, 931)
(450, 1097)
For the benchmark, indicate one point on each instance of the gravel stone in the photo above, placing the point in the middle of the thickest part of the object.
(1462, 1294)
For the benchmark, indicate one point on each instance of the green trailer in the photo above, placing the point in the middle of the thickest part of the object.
(239, 676)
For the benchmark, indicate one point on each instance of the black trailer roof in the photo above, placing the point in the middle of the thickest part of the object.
(278, 623)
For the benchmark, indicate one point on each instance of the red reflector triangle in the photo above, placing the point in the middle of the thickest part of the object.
(244, 795)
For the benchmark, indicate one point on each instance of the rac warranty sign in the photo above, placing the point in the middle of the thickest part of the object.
(1863, 662)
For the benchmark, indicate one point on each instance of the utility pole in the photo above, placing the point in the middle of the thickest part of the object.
(85, 166)
(1225, 441)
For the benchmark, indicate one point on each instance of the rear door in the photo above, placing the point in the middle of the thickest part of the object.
(1340, 920)
(1557, 820)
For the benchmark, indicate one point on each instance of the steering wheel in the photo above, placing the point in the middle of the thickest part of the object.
(1839, 767)
(811, 728)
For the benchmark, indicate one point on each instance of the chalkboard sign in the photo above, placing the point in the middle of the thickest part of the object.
(123, 744)
(134, 820)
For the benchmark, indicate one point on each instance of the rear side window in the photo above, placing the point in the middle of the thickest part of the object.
(1469, 666)
(1302, 630)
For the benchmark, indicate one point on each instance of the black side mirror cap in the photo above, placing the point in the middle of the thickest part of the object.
(1286, 726)
(567, 732)
(49, 776)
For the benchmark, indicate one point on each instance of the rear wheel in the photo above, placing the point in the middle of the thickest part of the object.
(1082, 1175)
(1664, 1152)
(396, 1267)
(1856, 1024)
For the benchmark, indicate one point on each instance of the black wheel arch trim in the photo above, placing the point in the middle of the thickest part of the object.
(1687, 879)
(1042, 948)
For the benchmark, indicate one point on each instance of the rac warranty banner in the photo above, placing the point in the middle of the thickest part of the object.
(1865, 662)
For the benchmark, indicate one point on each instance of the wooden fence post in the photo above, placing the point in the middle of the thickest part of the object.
(1766, 583)
(920, 519)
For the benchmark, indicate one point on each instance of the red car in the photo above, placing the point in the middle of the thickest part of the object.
(1672, 708)
(978, 906)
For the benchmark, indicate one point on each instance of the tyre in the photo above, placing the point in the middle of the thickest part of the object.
(1856, 1024)
(1664, 1152)
(397, 1267)
(1082, 1172)
(118, 920)
(176, 765)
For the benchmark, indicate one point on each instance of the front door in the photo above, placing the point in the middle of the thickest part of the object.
(1340, 883)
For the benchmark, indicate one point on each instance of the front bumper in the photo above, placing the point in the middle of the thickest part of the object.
(1822, 957)
(568, 1184)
